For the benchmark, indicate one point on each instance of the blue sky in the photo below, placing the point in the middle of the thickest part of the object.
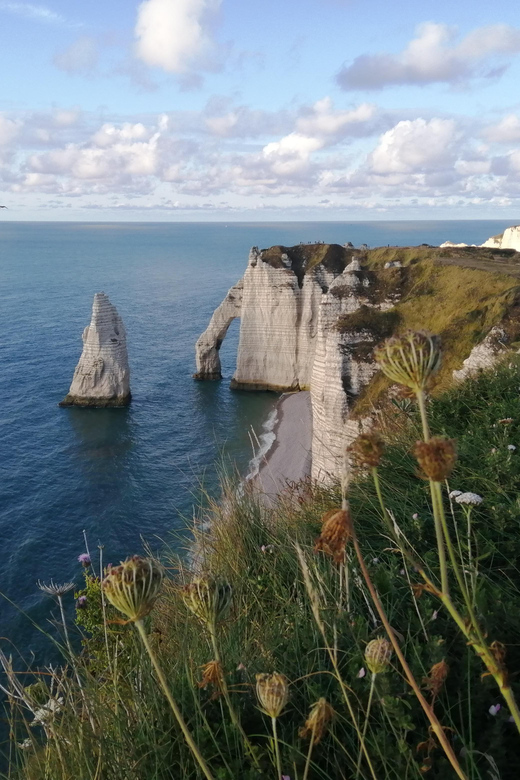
(233, 110)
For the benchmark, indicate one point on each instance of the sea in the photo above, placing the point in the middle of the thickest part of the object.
(126, 478)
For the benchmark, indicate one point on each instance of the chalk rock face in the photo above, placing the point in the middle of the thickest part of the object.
(102, 376)
(509, 239)
(339, 372)
(208, 345)
(290, 302)
(484, 355)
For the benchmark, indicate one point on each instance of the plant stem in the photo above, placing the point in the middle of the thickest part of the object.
(441, 550)
(227, 697)
(436, 726)
(277, 751)
(367, 716)
(477, 641)
(321, 627)
(421, 401)
(164, 685)
(309, 753)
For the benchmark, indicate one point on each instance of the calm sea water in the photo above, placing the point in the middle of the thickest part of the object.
(126, 474)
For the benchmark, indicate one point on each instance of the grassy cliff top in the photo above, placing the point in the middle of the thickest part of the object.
(457, 293)
(305, 257)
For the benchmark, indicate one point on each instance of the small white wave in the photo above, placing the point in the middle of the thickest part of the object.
(265, 441)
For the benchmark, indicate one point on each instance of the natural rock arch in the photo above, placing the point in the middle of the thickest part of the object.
(208, 345)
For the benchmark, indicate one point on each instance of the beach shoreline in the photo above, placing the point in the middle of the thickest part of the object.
(288, 459)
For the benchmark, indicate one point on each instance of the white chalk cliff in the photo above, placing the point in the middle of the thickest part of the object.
(289, 302)
(102, 376)
(509, 239)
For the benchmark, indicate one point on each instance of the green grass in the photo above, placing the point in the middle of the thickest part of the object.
(271, 628)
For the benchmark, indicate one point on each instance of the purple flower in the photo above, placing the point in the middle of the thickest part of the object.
(84, 559)
(81, 602)
(494, 709)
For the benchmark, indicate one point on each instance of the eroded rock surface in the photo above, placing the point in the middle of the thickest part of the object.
(102, 376)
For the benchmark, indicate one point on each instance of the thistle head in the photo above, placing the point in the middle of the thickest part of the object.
(335, 532)
(133, 587)
(436, 677)
(378, 654)
(410, 359)
(367, 450)
(436, 457)
(85, 560)
(319, 718)
(272, 691)
(209, 599)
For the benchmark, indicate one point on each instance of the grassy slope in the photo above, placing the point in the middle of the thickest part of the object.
(272, 628)
(459, 303)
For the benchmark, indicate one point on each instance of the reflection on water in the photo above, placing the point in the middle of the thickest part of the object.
(100, 433)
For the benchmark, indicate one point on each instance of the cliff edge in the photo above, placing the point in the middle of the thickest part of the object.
(312, 314)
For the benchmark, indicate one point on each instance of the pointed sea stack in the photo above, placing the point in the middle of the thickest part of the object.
(102, 376)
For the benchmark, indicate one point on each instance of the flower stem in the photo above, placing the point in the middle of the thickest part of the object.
(225, 692)
(164, 685)
(367, 716)
(309, 753)
(436, 726)
(277, 751)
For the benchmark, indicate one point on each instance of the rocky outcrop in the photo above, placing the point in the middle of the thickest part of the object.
(484, 355)
(291, 302)
(102, 376)
(208, 346)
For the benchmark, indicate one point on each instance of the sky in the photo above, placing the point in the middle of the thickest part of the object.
(243, 110)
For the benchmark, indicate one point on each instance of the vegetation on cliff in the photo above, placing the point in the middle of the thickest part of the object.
(342, 705)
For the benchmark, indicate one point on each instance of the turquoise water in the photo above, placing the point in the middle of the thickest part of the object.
(125, 474)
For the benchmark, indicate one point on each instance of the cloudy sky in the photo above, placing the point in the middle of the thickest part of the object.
(247, 110)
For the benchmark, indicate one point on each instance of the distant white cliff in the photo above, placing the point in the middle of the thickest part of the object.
(102, 376)
(509, 239)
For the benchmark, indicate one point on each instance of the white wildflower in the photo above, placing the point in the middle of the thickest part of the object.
(469, 498)
(43, 714)
(25, 745)
(455, 493)
(361, 673)
(415, 516)
(494, 709)
(511, 447)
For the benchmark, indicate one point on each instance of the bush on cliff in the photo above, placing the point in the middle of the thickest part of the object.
(103, 715)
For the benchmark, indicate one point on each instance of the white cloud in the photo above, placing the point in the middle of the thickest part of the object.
(37, 12)
(175, 35)
(323, 120)
(82, 56)
(291, 154)
(8, 130)
(415, 146)
(434, 56)
(504, 132)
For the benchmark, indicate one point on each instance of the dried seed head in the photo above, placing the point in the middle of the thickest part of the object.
(436, 457)
(335, 532)
(133, 587)
(208, 599)
(378, 653)
(319, 718)
(273, 693)
(212, 674)
(436, 677)
(54, 589)
(366, 450)
(410, 359)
